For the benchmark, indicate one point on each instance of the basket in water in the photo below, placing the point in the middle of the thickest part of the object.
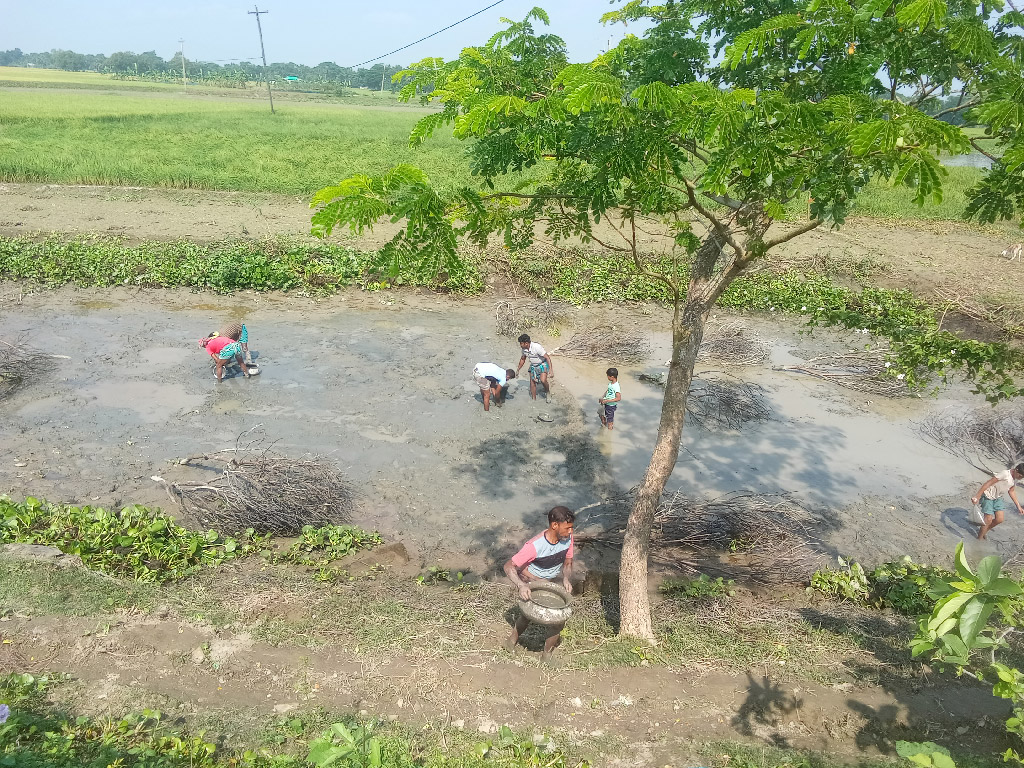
(548, 604)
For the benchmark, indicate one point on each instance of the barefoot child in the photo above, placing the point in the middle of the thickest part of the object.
(611, 399)
(545, 557)
(990, 497)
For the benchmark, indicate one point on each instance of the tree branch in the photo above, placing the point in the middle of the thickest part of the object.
(720, 228)
(957, 108)
(785, 238)
(989, 155)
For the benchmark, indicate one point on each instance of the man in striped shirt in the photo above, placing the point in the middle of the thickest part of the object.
(545, 557)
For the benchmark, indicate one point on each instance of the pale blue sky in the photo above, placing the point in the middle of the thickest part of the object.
(309, 32)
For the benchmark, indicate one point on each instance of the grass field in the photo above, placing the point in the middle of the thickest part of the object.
(165, 139)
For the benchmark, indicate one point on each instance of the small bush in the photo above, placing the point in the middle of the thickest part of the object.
(901, 585)
(700, 588)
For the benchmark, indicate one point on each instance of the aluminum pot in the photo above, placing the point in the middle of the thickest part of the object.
(548, 604)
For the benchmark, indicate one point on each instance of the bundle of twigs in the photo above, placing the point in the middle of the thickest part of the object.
(861, 371)
(986, 438)
(607, 343)
(266, 492)
(769, 536)
(19, 364)
(511, 319)
(719, 401)
(735, 344)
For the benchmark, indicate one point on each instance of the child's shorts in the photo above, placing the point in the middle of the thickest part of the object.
(537, 370)
(609, 412)
(991, 506)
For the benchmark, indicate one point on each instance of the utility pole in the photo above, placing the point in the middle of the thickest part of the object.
(266, 73)
(382, 76)
(184, 80)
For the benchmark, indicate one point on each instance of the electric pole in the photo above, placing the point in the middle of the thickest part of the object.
(263, 52)
(382, 74)
(184, 81)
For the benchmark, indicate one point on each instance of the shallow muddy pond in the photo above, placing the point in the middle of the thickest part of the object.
(382, 384)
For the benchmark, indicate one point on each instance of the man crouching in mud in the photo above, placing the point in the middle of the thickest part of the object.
(545, 557)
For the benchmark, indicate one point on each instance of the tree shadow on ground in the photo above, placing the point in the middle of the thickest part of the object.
(926, 705)
(765, 705)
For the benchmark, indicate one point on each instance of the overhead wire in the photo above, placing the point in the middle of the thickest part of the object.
(432, 34)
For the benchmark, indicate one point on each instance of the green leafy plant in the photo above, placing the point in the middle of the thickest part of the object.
(925, 754)
(510, 750)
(703, 587)
(135, 542)
(351, 747)
(848, 583)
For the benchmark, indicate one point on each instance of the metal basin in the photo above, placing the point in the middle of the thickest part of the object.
(548, 604)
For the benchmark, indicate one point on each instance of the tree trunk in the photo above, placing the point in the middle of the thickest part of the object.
(687, 333)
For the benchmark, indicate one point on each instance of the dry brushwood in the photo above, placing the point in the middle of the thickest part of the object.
(607, 343)
(861, 371)
(512, 319)
(19, 364)
(266, 492)
(769, 535)
(1011, 322)
(989, 439)
(720, 401)
(735, 344)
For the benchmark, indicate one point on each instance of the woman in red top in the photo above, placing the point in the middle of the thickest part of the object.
(222, 349)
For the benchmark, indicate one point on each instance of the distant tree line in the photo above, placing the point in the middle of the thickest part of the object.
(150, 65)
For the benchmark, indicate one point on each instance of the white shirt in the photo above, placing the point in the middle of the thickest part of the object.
(1004, 482)
(535, 353)
(492, 370)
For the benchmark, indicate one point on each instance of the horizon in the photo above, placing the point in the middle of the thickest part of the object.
(223, 32)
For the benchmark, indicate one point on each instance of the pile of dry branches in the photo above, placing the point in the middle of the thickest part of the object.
(19, 364)
(512, 319)
(862, 371)
(269, 493)
(989, 439)
(719, 401)
(607, 343)
(769, 536)
(735, 344)
(961, 302)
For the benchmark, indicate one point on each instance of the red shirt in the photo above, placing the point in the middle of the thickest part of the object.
(216, 344)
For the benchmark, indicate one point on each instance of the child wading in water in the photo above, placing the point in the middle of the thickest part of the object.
(611, 399)
(990, 497)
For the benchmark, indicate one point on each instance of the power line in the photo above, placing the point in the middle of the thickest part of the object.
(410, 45)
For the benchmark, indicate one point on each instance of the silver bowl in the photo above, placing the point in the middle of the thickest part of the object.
(548, 604)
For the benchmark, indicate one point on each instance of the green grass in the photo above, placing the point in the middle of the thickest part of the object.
(37, 589)
(121, 138)
(165, 140)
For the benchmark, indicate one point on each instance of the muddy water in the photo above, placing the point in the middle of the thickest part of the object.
(382, 385)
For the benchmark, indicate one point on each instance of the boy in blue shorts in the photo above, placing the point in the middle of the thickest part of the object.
(990, 497)
(611, 399)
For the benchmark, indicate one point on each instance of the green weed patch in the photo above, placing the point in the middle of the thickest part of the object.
(229, 265)
(147, 545)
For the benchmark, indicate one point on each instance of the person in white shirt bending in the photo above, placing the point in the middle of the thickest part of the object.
(990, 497)
(492, 380)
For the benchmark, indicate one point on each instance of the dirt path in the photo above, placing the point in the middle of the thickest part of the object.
(925, 256)
(655, 715)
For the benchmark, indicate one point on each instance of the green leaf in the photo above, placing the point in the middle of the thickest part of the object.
(947, 607)
(973, 619)
(988, 569)
(1004, 587)
(961, 565)
(942, 761)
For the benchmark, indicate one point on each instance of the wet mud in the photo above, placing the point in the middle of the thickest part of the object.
(382, 384)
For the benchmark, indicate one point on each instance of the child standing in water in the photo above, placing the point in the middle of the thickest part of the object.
(611, 399)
